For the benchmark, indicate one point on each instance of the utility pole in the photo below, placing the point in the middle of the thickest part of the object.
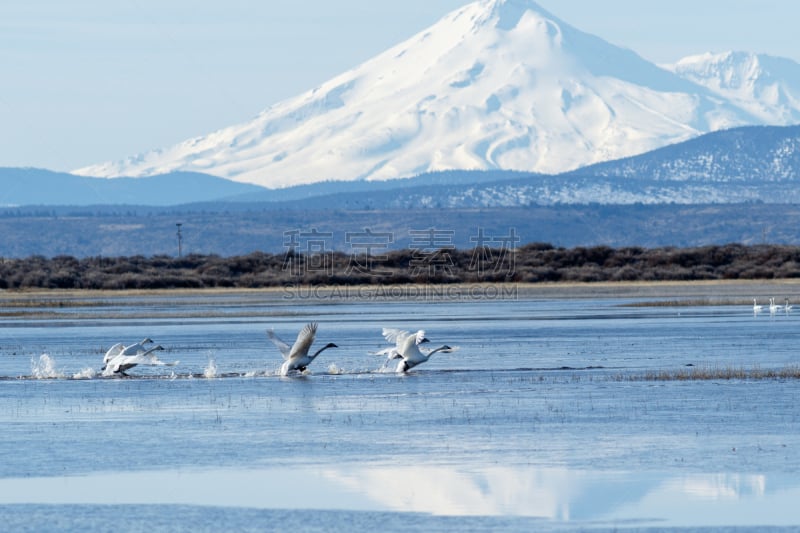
(180, 237)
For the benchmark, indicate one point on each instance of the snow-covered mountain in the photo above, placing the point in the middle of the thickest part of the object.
(497, 84)
(745, 164)
(765, 86)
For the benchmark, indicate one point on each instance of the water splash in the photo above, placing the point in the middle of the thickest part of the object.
(86, 373)
(210, 371)
(334, 369)
(44, 367)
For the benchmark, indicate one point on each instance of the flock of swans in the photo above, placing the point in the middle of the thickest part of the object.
(405, 346)
(773, 307)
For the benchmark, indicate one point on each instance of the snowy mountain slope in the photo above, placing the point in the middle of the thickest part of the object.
(497, 84)
(759, 154)
(746, 164)
(767, 87)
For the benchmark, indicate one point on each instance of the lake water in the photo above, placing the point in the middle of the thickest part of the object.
(540, 420)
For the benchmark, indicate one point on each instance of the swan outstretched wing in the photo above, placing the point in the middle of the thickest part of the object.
(284, 348)
(113, 352)
(390, 353)
(304, 340)
(399, 336)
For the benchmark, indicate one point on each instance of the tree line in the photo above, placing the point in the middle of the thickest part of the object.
(533, 263)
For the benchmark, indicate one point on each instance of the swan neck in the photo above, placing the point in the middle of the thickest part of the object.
(320, 351)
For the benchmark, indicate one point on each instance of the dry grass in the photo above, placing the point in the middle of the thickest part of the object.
(714, 373)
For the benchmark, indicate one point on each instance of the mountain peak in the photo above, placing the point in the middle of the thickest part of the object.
(507, 14)
(768, 87)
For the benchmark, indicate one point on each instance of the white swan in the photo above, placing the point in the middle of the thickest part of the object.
(756, 307)
(773, 307)
(296, 357)
(120, 363)
(406, 348)
(120, 349)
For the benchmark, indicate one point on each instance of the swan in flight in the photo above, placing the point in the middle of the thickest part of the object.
(117, 361)
(296, 357)
(120, 349)
(407, 349)
(756, 307)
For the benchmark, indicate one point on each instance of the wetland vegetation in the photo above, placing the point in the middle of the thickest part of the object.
(531, 263)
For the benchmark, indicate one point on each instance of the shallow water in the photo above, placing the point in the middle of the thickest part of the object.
(539, 419)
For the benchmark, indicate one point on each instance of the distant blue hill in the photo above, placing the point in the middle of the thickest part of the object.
(33, 186)
(352, 188)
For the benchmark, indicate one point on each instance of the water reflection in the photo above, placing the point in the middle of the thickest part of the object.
(557, 494)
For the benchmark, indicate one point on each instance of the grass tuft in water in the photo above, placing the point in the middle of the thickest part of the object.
(714, 373)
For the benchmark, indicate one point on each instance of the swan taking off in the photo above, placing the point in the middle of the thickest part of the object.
(296, 357)
(120, 349)
(407, 349)
(119, 358)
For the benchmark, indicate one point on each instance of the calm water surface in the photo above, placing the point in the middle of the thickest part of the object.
(540, 419)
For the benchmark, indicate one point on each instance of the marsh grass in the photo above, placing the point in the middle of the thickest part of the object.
(744, 302)
(714, 373)
(689, 302)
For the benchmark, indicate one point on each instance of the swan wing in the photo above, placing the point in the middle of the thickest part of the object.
(284, 348)
(304, 340)
(390, 353)
(117, 363)
(113, 352)
(397, 336)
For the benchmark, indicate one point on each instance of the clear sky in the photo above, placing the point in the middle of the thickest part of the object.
(86, 81)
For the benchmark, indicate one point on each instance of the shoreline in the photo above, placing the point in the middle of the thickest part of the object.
(718, 289)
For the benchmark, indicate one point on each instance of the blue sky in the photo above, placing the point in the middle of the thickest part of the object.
(87, 81)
